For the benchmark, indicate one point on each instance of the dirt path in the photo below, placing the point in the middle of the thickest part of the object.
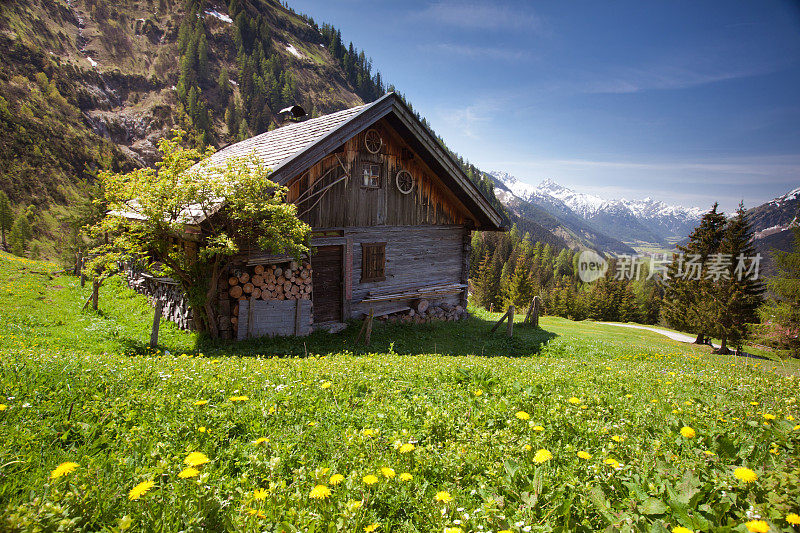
(680, 337)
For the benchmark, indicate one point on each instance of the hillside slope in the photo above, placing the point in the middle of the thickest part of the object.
(86, 85)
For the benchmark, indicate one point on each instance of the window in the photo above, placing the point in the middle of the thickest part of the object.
(372, 176)
(373, 261)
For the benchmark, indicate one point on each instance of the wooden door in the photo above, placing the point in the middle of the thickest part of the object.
(327, 274)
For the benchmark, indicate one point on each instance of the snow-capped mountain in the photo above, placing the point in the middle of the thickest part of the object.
(645, 220)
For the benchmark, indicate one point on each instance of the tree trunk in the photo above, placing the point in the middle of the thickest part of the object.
(723, 347)
(95, 293)
(701, 339)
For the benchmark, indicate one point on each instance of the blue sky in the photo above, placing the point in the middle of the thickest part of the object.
(689, 102)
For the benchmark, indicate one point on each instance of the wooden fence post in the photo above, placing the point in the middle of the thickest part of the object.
(366, 327)
(81, 261)
(510, 329)
(533, 312)
(156, 323)
(95, 293)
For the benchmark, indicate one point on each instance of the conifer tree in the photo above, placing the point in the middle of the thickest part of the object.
(519, 290)
(21, 233)
(780, 317)
(737, 293)
(6, 217)
(686, 306)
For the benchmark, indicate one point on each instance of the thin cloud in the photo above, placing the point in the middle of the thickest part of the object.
(777, 167)
(494, 53)
(469, 120)
(634, 80)
(481, 15)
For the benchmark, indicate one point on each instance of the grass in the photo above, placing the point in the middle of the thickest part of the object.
(492, 427)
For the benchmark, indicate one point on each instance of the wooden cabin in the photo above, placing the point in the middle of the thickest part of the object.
(391, 213)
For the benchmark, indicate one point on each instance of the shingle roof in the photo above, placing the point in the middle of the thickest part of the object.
(292, 149)
(276, 146)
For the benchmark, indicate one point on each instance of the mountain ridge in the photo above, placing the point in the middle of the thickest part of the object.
(630, 221)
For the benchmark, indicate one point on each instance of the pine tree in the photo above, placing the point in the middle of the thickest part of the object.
(780, 317)
(737, 293)
(224, 85)
(21, 233)
(232, 118)
(628, 310)
(482, 284)
(202, 56)
(686, 306)
(519, 290)
(6, 217)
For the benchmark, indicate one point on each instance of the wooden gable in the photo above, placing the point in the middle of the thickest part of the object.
(332, 194)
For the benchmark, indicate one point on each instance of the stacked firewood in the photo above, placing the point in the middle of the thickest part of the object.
(423, 311)
(285, 281)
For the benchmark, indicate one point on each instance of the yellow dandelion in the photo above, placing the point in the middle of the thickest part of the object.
(757, 526)
(443, 497)
(63, 469)
(406, 448)
(617, 438)
(753, 403)
(796, 428)
(140, 490)
(372, 527)
(201, 429)
(387, 472)
(538, 428)
(584, 455)
(405, 476)
(522, 415)
(238, 398)
(369, 479)
(681, 529)
(745, 474)
(574, 400)
(354, 505)
(542, 456)
(793, 519)
(708, 452)
(478, 392)
(688, 432)
(336, 479)
(201, 402)
(453, 530)
(261, 440)
(188, 472)
(527, 447)
(768, 416)
(320, 492)
(326, 385)
(196, 459)
(3, 407)
(260, 494)
(613, 463)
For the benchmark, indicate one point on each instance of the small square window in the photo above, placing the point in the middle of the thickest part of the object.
(373, 262)
(372, 176)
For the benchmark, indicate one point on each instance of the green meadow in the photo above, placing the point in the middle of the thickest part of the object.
(442, 427)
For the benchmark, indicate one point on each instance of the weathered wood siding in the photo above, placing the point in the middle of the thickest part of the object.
(348, 203)
(415, 256)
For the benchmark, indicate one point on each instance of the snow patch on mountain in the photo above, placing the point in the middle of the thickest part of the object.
(789, 196)
(588, 205)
